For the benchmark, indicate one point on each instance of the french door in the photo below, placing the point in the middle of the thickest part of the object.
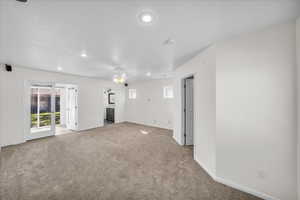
(72, 107)
(42, 110)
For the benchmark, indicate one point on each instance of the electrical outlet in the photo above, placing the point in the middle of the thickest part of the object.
(261, 174)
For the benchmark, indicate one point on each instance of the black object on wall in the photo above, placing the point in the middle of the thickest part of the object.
(126, 84)
(8, 68)
(23, 1)
(111, 98)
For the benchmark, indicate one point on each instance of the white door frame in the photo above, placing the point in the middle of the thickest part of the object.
(27, 102)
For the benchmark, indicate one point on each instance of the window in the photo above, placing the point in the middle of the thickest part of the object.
(132, 93)
(41, 107)
(168, 92)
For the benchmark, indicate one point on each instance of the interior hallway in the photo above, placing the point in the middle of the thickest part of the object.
(118, 161)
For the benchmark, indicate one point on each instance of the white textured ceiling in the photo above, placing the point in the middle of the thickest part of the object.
(47, 34)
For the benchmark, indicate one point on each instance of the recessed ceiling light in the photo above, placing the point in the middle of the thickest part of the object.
(148, 74)
(83, 54)
(146, 17)
(59, 68)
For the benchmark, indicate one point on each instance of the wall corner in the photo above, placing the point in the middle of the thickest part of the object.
(298, 98)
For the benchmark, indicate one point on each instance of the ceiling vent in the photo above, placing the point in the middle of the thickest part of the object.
(23, 1)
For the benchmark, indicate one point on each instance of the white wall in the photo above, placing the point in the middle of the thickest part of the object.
(150, 108)
(3, 28)
(63, 106)
(120, 103)
(2, 52)
(245, 111)
(2, 114)
(256, 112)
(203, 69)
(13, 119)
(298, 99)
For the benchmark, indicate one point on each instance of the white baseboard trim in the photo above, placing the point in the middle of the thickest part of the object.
(211, 174)
(245, 189)
(151, 125)
(88, 128)
(235, 185)
(14, 143)
(177, 141)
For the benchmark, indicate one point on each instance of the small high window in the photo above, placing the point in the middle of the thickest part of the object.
(132, 93)
(168, 92)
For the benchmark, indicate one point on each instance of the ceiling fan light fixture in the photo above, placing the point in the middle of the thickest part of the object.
(119, 79)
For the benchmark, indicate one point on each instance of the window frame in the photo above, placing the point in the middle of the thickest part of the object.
(168, 92)
(132, 93)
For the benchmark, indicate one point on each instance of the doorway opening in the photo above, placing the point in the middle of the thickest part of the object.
(53, 109)
(188, 110)
(109, 102)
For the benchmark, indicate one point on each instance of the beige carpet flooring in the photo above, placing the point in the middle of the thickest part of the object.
(117, 162)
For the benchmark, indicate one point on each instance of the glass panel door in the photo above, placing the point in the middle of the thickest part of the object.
(42, 109)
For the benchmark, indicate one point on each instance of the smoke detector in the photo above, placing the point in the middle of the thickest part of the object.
(169, 41)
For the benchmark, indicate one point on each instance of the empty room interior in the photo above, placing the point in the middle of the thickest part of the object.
(149, 100)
